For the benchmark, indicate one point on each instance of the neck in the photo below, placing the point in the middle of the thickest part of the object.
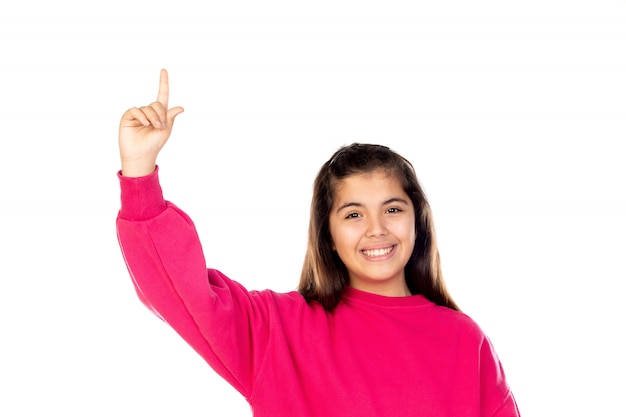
(386, 290)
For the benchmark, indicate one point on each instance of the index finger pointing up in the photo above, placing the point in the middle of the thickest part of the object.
(164, 89)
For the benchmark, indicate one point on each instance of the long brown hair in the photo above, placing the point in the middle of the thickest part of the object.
(324, 275)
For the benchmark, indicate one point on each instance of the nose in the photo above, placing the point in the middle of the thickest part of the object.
(376, 227)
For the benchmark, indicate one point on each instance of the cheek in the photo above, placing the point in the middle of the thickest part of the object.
(410, 233)
(343, 238)
(336, 239)
(413, 239)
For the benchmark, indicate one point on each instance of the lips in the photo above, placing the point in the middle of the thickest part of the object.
(372, 253)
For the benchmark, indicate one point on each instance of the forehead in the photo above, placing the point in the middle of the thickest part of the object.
(374, 185)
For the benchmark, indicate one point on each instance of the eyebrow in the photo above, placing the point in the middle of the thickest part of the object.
(355, 204)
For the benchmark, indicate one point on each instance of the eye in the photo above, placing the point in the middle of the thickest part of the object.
(394, 210)
(353, 215)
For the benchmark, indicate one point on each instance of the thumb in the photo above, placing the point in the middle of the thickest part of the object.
(172, 113)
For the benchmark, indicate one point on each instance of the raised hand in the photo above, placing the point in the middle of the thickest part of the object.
(145, 130)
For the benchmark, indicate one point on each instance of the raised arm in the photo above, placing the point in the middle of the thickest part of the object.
(145, 130)
(221, 320)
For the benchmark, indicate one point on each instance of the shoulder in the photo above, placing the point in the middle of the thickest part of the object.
(457, 323)
(287, 301)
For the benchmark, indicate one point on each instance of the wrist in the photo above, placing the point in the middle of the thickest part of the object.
(137, 168)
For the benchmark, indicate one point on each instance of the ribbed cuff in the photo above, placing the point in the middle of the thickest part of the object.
(141, 197)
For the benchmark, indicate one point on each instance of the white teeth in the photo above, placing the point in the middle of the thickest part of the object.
(377, 252)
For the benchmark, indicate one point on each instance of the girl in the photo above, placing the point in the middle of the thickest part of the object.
(372, 329)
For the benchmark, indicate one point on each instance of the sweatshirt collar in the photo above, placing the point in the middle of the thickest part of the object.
(352, 294)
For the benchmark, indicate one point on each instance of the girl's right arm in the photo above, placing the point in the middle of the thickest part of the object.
(224, 323)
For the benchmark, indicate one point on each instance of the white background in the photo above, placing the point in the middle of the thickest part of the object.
(513, 113)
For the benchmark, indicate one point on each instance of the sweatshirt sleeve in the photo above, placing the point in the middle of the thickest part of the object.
(227, 325)
(496, 397)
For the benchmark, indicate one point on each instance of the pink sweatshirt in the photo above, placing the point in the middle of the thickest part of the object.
(374, 356)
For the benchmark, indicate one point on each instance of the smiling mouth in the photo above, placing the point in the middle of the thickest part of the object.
(372, 253)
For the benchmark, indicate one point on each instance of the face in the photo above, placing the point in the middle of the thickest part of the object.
(372, 224)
